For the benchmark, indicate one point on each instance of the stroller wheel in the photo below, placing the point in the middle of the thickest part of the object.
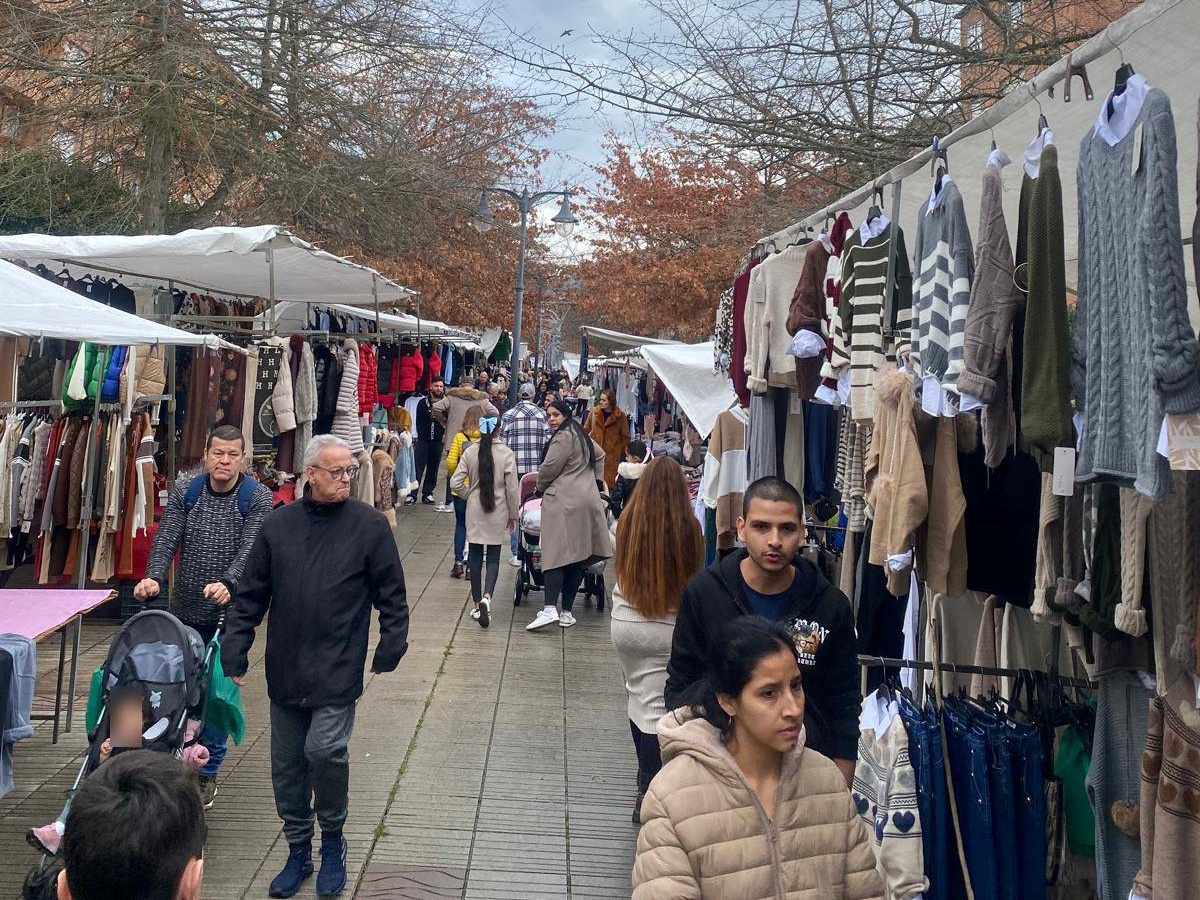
(517, 591)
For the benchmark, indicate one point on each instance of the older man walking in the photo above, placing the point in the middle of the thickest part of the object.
(318, 566)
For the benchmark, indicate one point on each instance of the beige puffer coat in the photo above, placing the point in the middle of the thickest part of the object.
(705, 835)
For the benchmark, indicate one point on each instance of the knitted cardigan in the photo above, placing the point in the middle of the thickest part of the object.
(1134, 354)
(1045, 375)
(942, 286)
(726, 471)
(995, 302)
(772, 286)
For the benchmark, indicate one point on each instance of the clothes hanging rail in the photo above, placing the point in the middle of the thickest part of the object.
(881, 662)
(1099, 45)
(30, 404)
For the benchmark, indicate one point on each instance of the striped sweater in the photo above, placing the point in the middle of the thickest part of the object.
(858, 340)
(942, 287)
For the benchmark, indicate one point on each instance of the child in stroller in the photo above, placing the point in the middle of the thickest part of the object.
(153, 688)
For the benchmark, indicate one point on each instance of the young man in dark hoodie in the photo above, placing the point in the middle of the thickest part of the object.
(768, 579)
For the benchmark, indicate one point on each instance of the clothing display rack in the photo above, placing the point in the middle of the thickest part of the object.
(876, 662)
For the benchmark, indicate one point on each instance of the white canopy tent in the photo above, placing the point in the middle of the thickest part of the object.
(687, 372)
(1158, 37)
(264, 261)
(619, 340)
(31, 306)
(292, 316)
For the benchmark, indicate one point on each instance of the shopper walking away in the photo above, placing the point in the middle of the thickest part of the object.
(574, 529)
(318, 566)
(659, 547)
(628, 473)
(450, 410)
(467, 436)
(608, 426)
(526, 430)
(211, 521)
(769, 579)
(430, 437)
(742, 808)
(486, 476)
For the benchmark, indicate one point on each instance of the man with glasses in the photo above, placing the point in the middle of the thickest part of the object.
(211, 520)
(318, 567)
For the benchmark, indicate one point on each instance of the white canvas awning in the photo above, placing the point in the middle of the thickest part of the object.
(1158, 37)
(687, 372)
(239, 262)
(31, 306)
(618, 339)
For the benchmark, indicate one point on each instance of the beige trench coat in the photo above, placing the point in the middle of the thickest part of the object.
(484, 527)
(574, 527)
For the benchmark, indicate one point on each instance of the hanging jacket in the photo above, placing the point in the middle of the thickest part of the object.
(407, 372)
(110, 388)
(79, 385)
(368, 378)
(345, 418)
(705, 834)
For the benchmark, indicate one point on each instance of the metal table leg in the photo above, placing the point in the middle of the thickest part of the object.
(76, 628)
(58, 691)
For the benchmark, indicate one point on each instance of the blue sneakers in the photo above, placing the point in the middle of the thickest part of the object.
(332, 877)
(297, 868)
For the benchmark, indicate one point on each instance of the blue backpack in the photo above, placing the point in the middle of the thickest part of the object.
(244, 494)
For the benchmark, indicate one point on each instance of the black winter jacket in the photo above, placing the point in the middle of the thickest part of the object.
(428, 428)
(319, 568)
(819, 617)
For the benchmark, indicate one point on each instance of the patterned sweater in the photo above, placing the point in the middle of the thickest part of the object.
(213, 540)
(859, 341)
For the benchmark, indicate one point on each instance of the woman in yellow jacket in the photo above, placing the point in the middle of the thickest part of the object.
(741, 808)
(468, 435)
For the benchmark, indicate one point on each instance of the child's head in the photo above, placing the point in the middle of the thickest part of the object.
(636, 452)
(129, 715)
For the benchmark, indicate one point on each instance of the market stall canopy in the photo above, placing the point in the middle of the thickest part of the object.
(687, 372)
(619, 339)
(570, 365)
(31, 306)
(1157, 37)
(292, 316)
(231, 261)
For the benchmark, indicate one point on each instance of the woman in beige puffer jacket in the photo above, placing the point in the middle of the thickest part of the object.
(706, 831)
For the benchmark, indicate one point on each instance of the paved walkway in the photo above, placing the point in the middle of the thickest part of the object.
(492, 764)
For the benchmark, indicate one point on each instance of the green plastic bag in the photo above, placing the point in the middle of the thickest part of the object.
(224, 701)
(95, 700)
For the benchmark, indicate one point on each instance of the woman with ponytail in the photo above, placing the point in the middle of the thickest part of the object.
(741, 807)
(486, 478)
(574, 527)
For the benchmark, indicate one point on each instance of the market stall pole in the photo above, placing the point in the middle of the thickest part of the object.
(564, 223)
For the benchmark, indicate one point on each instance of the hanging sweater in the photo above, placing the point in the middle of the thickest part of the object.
(1133, 351)
(807, 313)
(726, 470)
(942, 286)
(995, 301)
(772, 285)
(1045, 378)
(859, 341)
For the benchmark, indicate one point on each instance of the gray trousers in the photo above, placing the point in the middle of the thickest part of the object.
(310, 767)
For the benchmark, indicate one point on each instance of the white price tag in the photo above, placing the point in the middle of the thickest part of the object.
(1063, 480)
(1137, 151)
(25, 526)
(797, 408)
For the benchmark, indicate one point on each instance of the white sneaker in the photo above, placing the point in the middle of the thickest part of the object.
(544, 618)
(442, 507)
(484, 612)
(515, 562)
(566, 620)
(475, 614)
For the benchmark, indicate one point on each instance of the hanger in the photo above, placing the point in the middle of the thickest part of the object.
(1042, 123)
(876, 209)
(1074, 69)
(938, 162)
(993, 131)
(1120, 81)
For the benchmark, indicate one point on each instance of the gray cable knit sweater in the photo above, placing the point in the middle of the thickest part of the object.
(1133, 352)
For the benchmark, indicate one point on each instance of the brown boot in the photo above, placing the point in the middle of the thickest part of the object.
(637, 808)
(457, 571)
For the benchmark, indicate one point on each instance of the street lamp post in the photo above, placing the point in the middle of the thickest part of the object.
(564, 223)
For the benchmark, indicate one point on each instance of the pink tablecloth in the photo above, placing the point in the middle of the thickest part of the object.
(37, 613)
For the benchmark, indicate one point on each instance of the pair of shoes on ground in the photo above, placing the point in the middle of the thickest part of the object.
(549, 616)
(331, 879)
(483, 612)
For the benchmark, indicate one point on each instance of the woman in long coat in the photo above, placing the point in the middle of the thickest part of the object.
(608, 426)
(574, 528)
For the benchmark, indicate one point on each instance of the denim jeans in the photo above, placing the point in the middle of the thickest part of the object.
(515, 539)
(972, 793)
(1029, 785)
(931, 796)
(460, 530)
(217, 743)
(1000, 783)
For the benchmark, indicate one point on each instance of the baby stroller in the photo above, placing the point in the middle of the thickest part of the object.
(171, 664)
(529, 553)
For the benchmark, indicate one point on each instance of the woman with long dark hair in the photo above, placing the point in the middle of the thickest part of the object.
(574, 529)
(659, 547)
(464, 438)
(486, 477)
(741, 808)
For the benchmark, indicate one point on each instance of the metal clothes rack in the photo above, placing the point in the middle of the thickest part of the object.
(876, 662)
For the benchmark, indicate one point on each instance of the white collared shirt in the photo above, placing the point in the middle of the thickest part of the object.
(1127, 106)
(874, 228)
(937, 193)
(1033, 153)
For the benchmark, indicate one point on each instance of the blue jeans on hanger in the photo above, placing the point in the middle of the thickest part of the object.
(972, 792)
(1029, 785)
(1000, 782)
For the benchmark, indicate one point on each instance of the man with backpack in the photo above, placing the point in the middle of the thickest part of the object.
(211, 520)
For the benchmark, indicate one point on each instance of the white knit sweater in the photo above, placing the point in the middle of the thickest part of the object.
(772, 285)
